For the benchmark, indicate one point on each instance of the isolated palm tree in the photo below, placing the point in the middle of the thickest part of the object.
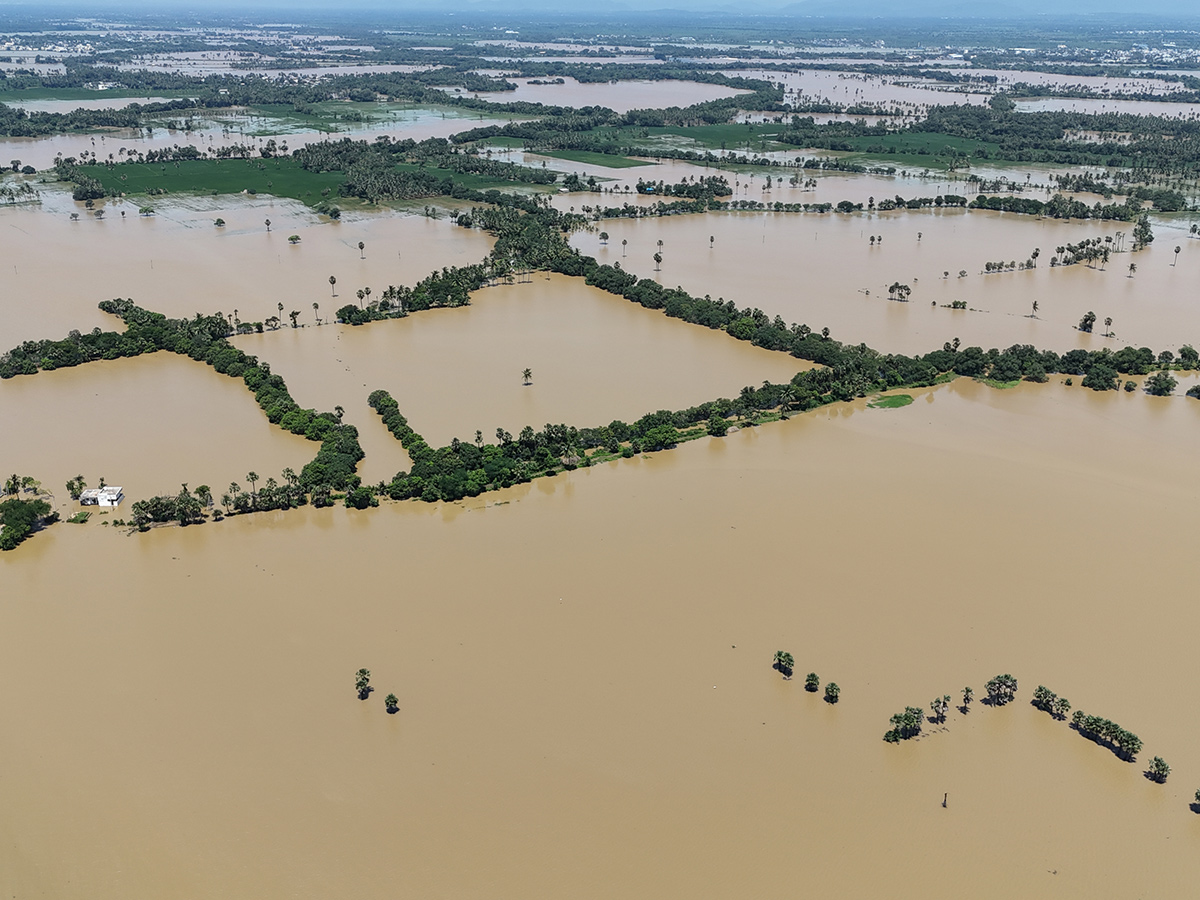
(362, 247)
(1176, 260)
(1033, 315)
(527, 375)
(268, 224)
(332, 283)
(657, 262)
(1108, 326)
(1132, 269)
(624, 244)
(316, 307)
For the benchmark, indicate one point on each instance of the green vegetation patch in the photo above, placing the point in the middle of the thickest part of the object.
(79, 518)
(999, 385)
(589, 158)
(281, 177)
(892, 401)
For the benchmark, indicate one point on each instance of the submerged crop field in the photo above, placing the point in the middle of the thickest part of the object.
(391, 395)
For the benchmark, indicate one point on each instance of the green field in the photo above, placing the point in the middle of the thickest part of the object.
(589, 158)
(279, 177)
(892, 401)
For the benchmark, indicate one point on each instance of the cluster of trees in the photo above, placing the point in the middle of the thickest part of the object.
(1048, 701)
(703, 188)
(19, 518)
(905, 725)
(1001, 690)
(1103, 731)
(1061, 207)
(450, 287)
(941, 200)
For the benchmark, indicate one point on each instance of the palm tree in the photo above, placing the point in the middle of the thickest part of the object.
(362, 683)
(784, 662)
(367, 291)
(657, 262)
(1176, 260)
(268, 224)
(361, 295)
(392, 702)
(332, 282)
(967, 696)
(604, 238)
(1132, 269)
(316, 307)
(624, 244)
(1033, 315)
(252, 477)
(339, 412)
(1108, 325)
(711, 238)
(811, 682)
(832, 691)
(294, 315)
(281, 310)
(527, 376)
(361, 247)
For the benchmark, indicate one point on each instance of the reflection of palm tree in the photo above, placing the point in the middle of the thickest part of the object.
(527, 375)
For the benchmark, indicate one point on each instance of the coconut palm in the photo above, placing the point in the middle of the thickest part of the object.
(784, 662)
(604, 238)
(527, 376)
(362, 247)
(332, 283)
(624, 244)
(657, 262)
(1132, 269)
(316, 308)
(1108, 326)
(362, 683)
(1175, 262)
(392, 702)
(1033, 315)
(832, 692)
(268, 224)
(811, 682)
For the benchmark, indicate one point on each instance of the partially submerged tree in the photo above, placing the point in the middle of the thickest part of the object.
(784, 662)
(362, 683)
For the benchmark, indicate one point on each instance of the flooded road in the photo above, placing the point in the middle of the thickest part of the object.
(590, 666)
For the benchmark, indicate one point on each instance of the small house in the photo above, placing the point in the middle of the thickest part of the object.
(110, 495)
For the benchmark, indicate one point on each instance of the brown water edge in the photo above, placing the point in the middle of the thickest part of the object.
(595, 357)
(584, 674)
(147, 424)
(816, 269)
(178, 263)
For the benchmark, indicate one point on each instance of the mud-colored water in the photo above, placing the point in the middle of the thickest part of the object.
(595, 358)
(619, 96)
(177, 262)
(586, 701)
(817, 270)
(147, 424)
(417, 123)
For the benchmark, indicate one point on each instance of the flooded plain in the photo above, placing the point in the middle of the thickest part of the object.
(819, 269)
(179, 263)
(147, 424)
(595, 357)
(619, 96)
(589, 664)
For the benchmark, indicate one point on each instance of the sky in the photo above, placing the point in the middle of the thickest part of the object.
(1183, 9)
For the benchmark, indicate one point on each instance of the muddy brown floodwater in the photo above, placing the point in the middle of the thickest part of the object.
(586, 701)
(178, 263)
(817, 270)
(147, 424)
(595, 357)
(619, 96)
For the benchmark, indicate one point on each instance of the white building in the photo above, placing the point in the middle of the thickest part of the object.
(111, 495)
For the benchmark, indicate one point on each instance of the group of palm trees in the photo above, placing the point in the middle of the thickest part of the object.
(362, 686)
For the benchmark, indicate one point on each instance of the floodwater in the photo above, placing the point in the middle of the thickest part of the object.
(595, 357)
(619, 96)
(147, 424)
(179, 263)
(588, 666)
(816, 269)
(216, 131)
